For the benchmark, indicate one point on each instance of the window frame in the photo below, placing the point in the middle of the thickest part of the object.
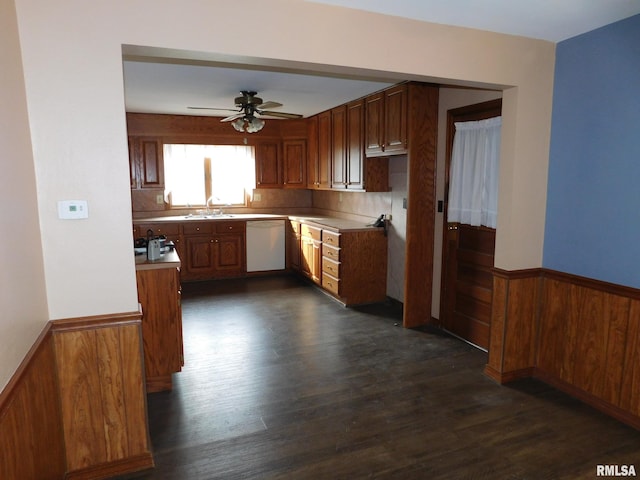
(208, 170)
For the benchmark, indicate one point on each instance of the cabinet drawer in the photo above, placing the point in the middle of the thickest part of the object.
(331, 238)
(230, 227)
(313, 232)
(330, 267)
(158, 229)
(331, 284)
(330, 252)
(197, 228)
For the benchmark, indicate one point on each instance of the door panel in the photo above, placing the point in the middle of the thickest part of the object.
(469, 282)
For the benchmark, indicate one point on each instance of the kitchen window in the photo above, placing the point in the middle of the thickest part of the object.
(208, 175)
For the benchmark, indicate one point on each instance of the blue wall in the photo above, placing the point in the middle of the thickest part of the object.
(593, 199)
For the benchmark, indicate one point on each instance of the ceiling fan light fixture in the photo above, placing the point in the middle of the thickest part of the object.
(248, 124)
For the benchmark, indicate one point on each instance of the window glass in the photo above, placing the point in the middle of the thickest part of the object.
(221, 174)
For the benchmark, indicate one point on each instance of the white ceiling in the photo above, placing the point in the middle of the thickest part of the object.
(155, 85)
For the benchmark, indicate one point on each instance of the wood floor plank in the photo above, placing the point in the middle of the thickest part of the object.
(282, 382)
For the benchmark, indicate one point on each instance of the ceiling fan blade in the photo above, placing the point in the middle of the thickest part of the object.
(270, 105)
(214, 108)
(279, 114)
(232, 117)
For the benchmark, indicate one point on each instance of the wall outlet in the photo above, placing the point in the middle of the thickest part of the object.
(388, 217)
(159, 199)
(257, 197)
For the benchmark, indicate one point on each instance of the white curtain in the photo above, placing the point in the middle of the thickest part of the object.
(473, 179)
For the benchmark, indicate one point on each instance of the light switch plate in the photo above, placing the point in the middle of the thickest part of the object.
(73, 209)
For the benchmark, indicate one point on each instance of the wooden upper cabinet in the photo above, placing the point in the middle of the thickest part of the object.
(294, 154)
(146, 162)
(354, 145)
(386, 122)
(395, 119)
(323, 178)
(339, 146)
(268, 166)
(374, 124)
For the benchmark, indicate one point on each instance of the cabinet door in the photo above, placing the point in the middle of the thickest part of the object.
(374, 124)
(338, 146)
(133, 164)
(151, 163)
(311, 259)
(294, 160)
(312, 152)
(159, 295)
(395, 121)
(268, 166)
(229, 255)
(146, 163)
(294, 254)
(200, 261)
(324, 151)
(355, 141)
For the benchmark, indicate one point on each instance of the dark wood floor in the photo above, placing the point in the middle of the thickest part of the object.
(282, 382)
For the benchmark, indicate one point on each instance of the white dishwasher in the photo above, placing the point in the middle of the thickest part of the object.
(265, 245)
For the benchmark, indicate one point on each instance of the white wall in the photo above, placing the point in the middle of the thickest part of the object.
(397, 234)
(23, 302)
(71, 54)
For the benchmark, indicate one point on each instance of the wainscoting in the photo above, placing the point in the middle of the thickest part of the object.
(76, 407)
(577, 334)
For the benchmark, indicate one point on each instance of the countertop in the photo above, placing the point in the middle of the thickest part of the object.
(333, 223)
(168, 259)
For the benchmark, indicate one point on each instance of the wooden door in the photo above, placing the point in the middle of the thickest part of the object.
(468, 255)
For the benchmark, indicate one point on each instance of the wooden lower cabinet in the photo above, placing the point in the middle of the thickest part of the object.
(310, 253)
(214, 250)
(351, 265)
(354, 265)
(159, 295)
(294, 254)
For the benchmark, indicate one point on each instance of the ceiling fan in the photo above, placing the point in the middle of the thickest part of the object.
(247, 107)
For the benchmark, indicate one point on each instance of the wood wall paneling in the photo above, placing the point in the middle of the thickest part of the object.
(31, 434)
(102, 396)
(579, 335)
(422, 140)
